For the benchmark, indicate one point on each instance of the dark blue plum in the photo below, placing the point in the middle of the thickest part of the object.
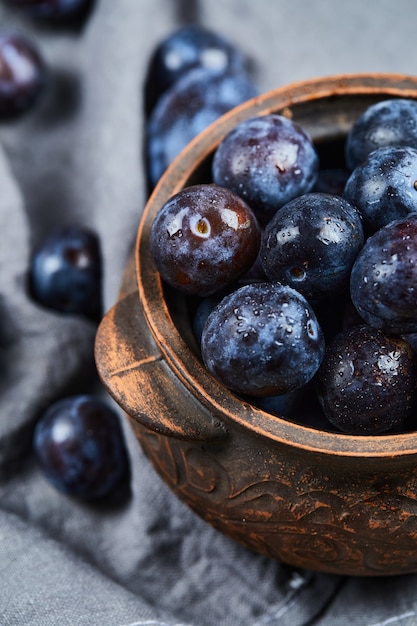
(23, 75)
(384, 187)
(55, 10)
(203, 238)
(262, 339)
(367, 381)
(79, 445)
(66, 272)
(189, 107)
(190, 47)
(268, 160)
(311, 244)
(391, 122)
(383, 283)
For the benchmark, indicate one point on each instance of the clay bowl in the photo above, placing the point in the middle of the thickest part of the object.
(311, 498)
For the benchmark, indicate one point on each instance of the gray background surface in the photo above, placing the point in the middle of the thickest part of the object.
(145, 558)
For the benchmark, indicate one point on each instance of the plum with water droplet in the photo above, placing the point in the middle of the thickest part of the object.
(262, 339)
(384, 187)
(383, 280)
(267, 160)
(367, 381)
(311, 244)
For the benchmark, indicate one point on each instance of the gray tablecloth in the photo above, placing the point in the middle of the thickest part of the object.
(144, 558)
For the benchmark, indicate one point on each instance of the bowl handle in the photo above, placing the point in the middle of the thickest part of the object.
(136, 375)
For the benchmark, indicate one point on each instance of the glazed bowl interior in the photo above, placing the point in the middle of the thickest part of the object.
(326, 108)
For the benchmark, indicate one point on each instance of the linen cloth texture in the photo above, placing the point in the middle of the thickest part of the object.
(142, 557)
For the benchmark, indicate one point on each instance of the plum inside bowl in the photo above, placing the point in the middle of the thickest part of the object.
(305, 495)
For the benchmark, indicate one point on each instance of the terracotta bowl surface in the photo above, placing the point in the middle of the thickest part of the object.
(314, 499)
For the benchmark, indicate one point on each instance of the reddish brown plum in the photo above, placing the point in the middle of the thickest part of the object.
(203, 238)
